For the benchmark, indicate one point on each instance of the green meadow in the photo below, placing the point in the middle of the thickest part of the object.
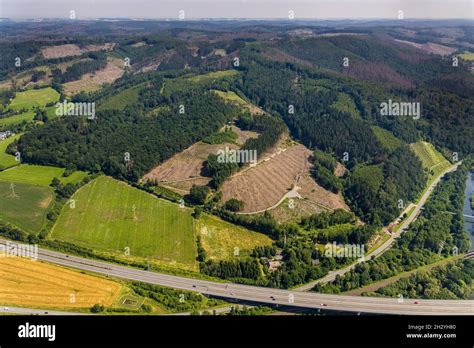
(40, 175)
(110, 216)
(24, 205)
(6, 160)
(34, 97)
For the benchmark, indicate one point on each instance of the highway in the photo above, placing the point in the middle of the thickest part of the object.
(31, 311)
(358, 304)
(385, 246)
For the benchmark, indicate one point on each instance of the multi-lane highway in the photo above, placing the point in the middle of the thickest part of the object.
(32, 311)
(266, 295)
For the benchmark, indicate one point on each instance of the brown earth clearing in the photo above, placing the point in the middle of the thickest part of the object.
(60, 51)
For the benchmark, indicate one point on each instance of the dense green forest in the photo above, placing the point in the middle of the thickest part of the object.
(126, 144)
(377, 200)
(447, 282)
(437, 232)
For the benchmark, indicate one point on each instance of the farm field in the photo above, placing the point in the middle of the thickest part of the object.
(34, 97)
(432, 160)
(6, 160)
(24, 205)
(220, 238)
(16, 119)
(32, 174)
(48, 286)
(110, 216)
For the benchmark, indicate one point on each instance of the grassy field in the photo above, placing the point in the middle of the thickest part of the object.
(24, 205)
(40, 175)
(34, 97)
(467, 55)
(386, 138)
(17, 119)
(31, 174)
(51, 112)
(110, 216)
(122, 99)
(231, 97)
(221, 239)
(74, 178)
(213, 75)
(27, 283)
(431, 159)
(6, 160)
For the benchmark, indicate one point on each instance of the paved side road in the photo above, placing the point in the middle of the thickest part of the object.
(266, 295)
(385, 246)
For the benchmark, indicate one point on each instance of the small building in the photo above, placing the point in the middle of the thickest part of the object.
(6, 134)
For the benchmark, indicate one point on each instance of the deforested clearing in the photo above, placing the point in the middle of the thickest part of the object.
(67, 50)
(265, 185)
(92, 82)
(184, 169)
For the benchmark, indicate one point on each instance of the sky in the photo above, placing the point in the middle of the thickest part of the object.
(195, 9)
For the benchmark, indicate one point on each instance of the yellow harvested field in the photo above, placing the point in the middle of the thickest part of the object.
(36, 284)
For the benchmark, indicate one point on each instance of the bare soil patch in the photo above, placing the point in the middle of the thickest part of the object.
(339, 170)
(68, 50)
(286, 168)
(430, 47)
(262, 186)
(300, 207)
(91, 82)
(311, 191)
(184, 169)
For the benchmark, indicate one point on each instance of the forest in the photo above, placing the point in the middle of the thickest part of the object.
(435, 234)
(447, 282)
(125, 144)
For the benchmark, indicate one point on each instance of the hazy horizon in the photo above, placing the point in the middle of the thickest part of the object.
(237, 9)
